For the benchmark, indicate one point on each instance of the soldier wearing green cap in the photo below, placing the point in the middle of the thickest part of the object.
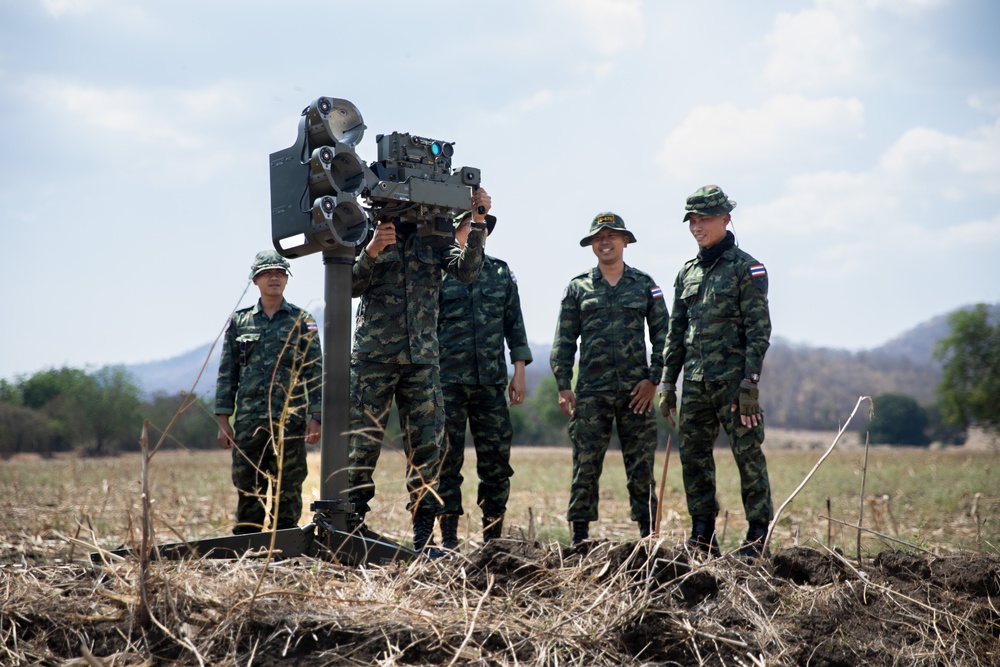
(608, 309)
(486, 313)
(720, 329)
(395, 356)
(271, 374)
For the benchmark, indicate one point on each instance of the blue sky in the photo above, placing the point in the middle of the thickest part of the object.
(860, 138)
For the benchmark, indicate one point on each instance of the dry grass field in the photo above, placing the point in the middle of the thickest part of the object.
(922, 591)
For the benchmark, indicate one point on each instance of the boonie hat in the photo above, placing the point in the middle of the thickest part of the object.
(266, 260)
(491, 220)
(708, 200)
(606, 220)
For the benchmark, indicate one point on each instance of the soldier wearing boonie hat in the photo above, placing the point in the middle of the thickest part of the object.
(268, 348)
(608, 309)
(720, 328)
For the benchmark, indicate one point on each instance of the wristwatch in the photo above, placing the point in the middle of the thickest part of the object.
(481, 226)
(318, 417)
(753, 377)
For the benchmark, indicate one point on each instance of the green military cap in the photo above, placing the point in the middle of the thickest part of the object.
(708, 200)
(268, 259)
(606, 220)
(491, 220)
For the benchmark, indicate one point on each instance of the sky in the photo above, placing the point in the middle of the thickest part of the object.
(859, 138)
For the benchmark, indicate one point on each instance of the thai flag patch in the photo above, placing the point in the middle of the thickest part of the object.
(513, 278)
(656, 291)
(758, 271)
(311, 326)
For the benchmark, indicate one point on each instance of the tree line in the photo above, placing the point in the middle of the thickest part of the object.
(101, 412)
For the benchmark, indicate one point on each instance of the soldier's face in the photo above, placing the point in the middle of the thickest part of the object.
(608, 245)
(708, 230)
(271, 282)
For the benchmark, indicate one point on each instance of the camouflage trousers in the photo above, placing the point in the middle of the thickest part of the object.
(484, 409)
(255, 467)
(704, 406)
(417, 390)
(590, 431)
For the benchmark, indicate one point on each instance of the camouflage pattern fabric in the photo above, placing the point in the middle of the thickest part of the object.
(484, 409)
(475, 320)
(720, 329)
(399, 289)
(264, 364)
(610, 323)
(590, 431)
(255, 468)
(704, 406)
(417, 390)
(720, 326)
(266, 361)
(396, 353)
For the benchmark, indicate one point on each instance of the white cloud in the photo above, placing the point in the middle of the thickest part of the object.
(781, 127)
(609, 25)
(812, 49)
(958, 168)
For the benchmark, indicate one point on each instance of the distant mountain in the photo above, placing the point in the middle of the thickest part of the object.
(804, 387)
(917, 344)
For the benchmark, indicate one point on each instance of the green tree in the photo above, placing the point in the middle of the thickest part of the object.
(194, 427)
(110, 413)
(25, 430)
(41, 389)
(538, 420)
(970, 382)
(898, 420)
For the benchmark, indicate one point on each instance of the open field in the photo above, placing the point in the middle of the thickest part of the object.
(616, 600)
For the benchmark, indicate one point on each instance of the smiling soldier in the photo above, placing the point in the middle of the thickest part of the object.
(608, 309)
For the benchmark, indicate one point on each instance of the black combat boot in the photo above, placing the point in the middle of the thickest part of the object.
(492, 528)
(753, 547)
(449, 531)
(581, 531)
(423, 531)
(643, 527)
(703, 535)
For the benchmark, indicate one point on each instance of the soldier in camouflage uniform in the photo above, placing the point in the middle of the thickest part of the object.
(608, 309)
(271, 373)
(720, 329)
(395, 355)
(475, 320)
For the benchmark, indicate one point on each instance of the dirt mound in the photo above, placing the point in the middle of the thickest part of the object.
(513, 602)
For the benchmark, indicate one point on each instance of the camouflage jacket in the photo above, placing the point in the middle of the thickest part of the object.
(720, 327)
(397, 320)
(475, 320)
(264, 360)
(610, 323)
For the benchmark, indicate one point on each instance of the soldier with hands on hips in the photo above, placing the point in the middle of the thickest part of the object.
(271, 373)
(608, 309)
(720, 328)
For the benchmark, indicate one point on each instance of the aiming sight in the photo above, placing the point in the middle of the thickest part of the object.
(316, 184)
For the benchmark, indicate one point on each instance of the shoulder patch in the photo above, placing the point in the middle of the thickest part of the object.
(757, 270)
(656, 291)
(513, 278)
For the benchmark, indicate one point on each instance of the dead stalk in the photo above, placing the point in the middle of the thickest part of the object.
(774, 522)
